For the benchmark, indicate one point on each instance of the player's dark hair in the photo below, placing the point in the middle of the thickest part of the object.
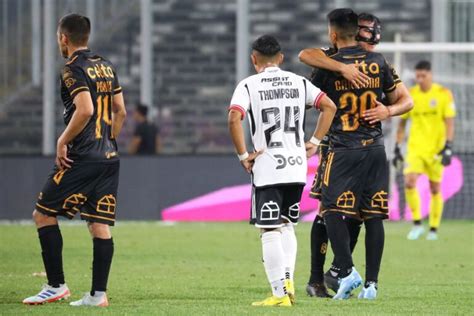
(345, 21)
(423, 65)
(369, 17)
(76, 27)
(266, 45)
(142, 109)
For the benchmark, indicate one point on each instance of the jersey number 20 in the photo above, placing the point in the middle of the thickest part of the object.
(358, 105)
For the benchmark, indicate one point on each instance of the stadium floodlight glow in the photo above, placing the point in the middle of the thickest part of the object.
(431, 47)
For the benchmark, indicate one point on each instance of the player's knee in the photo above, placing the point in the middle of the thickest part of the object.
(43, 220)
(435, 188)
(266, 230)
(410, 182)
(99, 230)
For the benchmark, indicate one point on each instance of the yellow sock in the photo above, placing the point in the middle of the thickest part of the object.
(413, 200)
(436, 210)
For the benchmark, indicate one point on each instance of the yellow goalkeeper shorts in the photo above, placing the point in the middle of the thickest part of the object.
(431, 166)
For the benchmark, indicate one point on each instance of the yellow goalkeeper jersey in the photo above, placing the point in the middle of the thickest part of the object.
(428, 130)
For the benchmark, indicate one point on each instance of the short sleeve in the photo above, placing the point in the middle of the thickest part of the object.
(449, 109)
(405, 116)
(116, 84)
(396, 77)
(74, 79)
(139, 129)
(240, 99)
(313, 94)
(388, 84)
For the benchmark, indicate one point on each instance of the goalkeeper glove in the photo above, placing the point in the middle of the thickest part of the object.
(446, 154)
(397, 160)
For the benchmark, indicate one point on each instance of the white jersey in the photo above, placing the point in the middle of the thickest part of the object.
(275, 101)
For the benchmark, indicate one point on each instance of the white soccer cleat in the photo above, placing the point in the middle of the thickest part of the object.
(49, 294)
(416, 232)
(89, 300)
(432, 236)
(369, 293)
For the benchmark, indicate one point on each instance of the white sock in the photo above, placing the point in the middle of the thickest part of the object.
(273, 261)
(290, 248)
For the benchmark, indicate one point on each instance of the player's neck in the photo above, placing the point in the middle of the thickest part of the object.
(261, 68)
(426, 88)
(341, 44)
(72, 50)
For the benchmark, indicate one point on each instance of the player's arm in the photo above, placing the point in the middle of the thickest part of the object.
(81, 116)
(397, 153)
(134, 144)
(315, 57)
(239, 105)
(449, 113)
(158, 144)
(328, 109)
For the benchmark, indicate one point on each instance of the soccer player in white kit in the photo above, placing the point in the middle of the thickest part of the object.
(275, 102)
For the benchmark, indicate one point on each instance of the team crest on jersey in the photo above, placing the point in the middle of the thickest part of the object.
(270, 211)
(346, 200)
(433, 103)
(69, 82)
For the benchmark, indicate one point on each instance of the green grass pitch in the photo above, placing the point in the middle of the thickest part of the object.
(215, 269)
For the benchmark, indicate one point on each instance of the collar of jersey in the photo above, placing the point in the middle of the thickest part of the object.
(271, 69)
(349, 48)
(80, 51)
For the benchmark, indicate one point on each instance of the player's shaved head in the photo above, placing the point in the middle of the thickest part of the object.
(266, 50)
(344, 22)
(76, 27)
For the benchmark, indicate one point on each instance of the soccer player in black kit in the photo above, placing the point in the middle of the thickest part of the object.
(355, 181)
(85, 178)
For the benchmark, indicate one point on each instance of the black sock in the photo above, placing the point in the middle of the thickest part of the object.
(374, 243)
(417, 222)
(51, 242)
(353, 226)
(319, 243)
(339, 236)
(433, 229)
(103, 253)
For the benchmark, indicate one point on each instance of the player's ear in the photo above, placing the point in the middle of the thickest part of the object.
(253, 59)
(281, 58)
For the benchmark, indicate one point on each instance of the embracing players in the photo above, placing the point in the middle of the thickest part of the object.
(355, 180)
(86, 174)
(275, 102)
(368, 37)
(433, 115)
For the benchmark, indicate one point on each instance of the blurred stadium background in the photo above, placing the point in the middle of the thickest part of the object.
(183, 59)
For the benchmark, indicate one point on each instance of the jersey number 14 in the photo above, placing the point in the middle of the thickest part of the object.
(103, 114)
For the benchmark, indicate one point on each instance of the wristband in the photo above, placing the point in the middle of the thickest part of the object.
(244, 156)
(314, 141)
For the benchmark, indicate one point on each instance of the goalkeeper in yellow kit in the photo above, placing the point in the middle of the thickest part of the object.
(429, 145)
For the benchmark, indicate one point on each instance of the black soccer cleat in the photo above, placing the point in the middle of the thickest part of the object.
(317, 290)
(331, 281)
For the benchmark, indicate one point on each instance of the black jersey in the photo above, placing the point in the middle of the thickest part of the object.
(349, 129)
(86, 71)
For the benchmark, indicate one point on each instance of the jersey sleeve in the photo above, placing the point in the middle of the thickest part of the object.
(240, 99)
(396, 77)
(74, 79)
(449, 109)
(314, 95)
(388, 84)
(116, 84)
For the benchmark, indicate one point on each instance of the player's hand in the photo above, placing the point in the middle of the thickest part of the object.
(377, 114)
(62, 161)
(249, 162)
(352, 73)
(446, 154)
(311, 149)
(397, 158)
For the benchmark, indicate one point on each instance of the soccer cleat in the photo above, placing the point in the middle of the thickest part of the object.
(331, 280)
(347, 284)
(290, 289)
(274, 301)
(49, 294)
(317, 290)
(415, 232)
(432, 236)
(369, 292)
(89, 300)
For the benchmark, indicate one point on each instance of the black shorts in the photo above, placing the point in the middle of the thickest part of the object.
(272, 205)
(89, 188)
(316, 188)
(355, 183)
